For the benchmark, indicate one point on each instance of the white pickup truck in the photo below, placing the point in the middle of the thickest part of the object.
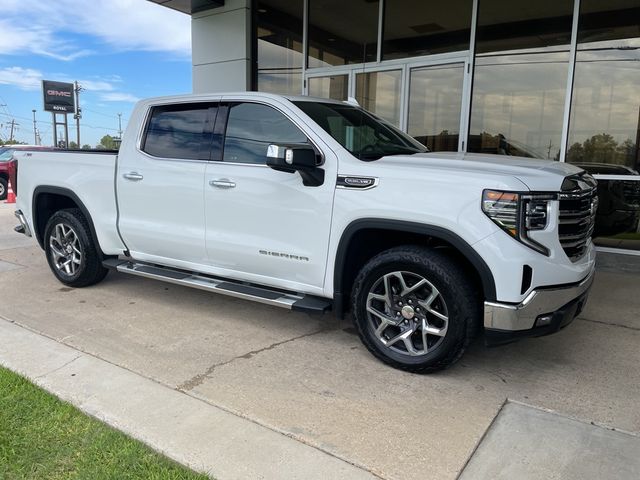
(312, 205)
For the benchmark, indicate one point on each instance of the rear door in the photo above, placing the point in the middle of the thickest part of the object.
(160, 185)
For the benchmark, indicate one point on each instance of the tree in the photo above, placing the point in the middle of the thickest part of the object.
(86, 146)
(73, 145)
(107, 143)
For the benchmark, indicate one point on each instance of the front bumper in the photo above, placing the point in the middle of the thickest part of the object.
(24, 225)
(544, 311)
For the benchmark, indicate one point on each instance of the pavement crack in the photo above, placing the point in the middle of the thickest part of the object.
(200, 378)
(609, 324)
(60, 367)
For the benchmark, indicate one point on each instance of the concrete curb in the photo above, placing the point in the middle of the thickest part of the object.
(194, 433)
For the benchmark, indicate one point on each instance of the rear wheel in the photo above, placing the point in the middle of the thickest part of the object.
(415, 309)
(3, 189)
(71, 251)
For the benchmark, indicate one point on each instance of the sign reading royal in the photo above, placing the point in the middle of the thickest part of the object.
(58, 97)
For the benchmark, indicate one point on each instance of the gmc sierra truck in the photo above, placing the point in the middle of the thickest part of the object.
(316, 205)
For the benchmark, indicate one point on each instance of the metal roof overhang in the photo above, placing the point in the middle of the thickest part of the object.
(190, 6)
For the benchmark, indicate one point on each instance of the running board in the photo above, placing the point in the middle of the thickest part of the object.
(278, 298)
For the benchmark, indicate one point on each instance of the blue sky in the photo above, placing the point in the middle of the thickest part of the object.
(118, 50)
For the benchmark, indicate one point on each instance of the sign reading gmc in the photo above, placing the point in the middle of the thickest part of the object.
(58, 97)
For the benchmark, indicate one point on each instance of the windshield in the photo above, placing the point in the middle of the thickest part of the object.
(364, 135)
(6, 154)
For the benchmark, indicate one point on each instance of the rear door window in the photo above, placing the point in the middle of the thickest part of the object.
(180, 131)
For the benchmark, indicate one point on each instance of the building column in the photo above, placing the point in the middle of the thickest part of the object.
(221, 48)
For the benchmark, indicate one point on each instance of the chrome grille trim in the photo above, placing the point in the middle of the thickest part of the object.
(577, 216)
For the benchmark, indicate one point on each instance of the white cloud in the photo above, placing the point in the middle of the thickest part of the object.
(23, 78)
(119, 97)
(48, 28)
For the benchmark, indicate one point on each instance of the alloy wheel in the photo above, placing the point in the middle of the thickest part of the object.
(407, 313)
(64, 246)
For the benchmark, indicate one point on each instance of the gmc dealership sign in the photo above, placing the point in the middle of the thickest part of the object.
(58, 97)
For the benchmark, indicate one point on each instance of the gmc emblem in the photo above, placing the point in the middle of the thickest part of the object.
(58, 93)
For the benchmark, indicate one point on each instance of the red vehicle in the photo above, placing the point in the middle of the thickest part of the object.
(6, 154)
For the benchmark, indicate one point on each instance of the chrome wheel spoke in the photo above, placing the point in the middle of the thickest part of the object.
(406, 313)
(65, 249)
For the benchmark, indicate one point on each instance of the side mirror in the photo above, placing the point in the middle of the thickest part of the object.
(301, 158)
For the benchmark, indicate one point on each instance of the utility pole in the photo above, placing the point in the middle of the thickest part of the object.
(78, 113)
(35, 128)
(13, 125)
(120, 126)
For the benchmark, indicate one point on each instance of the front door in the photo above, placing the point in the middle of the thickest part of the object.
(264, 225)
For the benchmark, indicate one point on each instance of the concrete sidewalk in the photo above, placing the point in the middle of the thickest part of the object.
(192, 432)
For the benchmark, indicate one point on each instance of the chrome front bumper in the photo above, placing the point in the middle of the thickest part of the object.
(537, 309)
(24, 226)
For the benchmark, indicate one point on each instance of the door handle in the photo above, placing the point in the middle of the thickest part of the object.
(135, 176)
(222, 183)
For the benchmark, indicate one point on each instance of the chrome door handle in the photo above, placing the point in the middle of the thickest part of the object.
(222, 183)
(135, 176)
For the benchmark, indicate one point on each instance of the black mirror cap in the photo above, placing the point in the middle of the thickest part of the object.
(302, 158)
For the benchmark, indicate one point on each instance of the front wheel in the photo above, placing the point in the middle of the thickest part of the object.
(415, 309)
(71, 251)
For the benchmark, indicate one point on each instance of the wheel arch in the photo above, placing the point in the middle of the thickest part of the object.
(353, 252)
(47, 200)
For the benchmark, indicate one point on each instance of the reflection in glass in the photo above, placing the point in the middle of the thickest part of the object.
(251, 128)
(435, 98)
(605, 108)
(379, 92)
(279, 37)
(334, 87)
(506, 25)
(604, 129)
(179, 131)
(518, 104)
(415, 27)
(350, 36)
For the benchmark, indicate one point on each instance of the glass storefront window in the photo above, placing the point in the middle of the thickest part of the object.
(342, 33)
(518, 104)
(415, 27)
(604, 128)
(507, 25)
(379, 92)
(335, 87)
(279, 46)
(435, 99)
(520, 79)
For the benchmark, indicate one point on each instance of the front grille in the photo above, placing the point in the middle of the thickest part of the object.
(578, 206)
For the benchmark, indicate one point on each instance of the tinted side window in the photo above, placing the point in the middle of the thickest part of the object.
(179, 131)
(252, 127)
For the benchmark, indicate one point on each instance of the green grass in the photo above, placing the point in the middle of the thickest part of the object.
(42, 437)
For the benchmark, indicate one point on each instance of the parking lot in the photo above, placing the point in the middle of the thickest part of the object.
(310, 377)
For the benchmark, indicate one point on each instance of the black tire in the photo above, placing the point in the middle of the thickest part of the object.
(86, 268)
(4, 188)
(455, 298)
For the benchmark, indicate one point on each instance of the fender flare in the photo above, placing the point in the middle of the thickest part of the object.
(64, 192)
(484, 272)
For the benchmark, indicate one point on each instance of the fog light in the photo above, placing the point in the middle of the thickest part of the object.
(544, 320)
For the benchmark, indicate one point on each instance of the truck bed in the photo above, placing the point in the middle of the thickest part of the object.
(89, 176)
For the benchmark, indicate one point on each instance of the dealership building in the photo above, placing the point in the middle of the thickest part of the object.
(554, 79)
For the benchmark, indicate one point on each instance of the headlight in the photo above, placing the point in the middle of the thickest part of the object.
(518, 214)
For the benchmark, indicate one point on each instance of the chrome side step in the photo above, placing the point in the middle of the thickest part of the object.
(278, 298)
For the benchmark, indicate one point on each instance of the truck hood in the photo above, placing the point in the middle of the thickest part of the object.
(538, 175)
